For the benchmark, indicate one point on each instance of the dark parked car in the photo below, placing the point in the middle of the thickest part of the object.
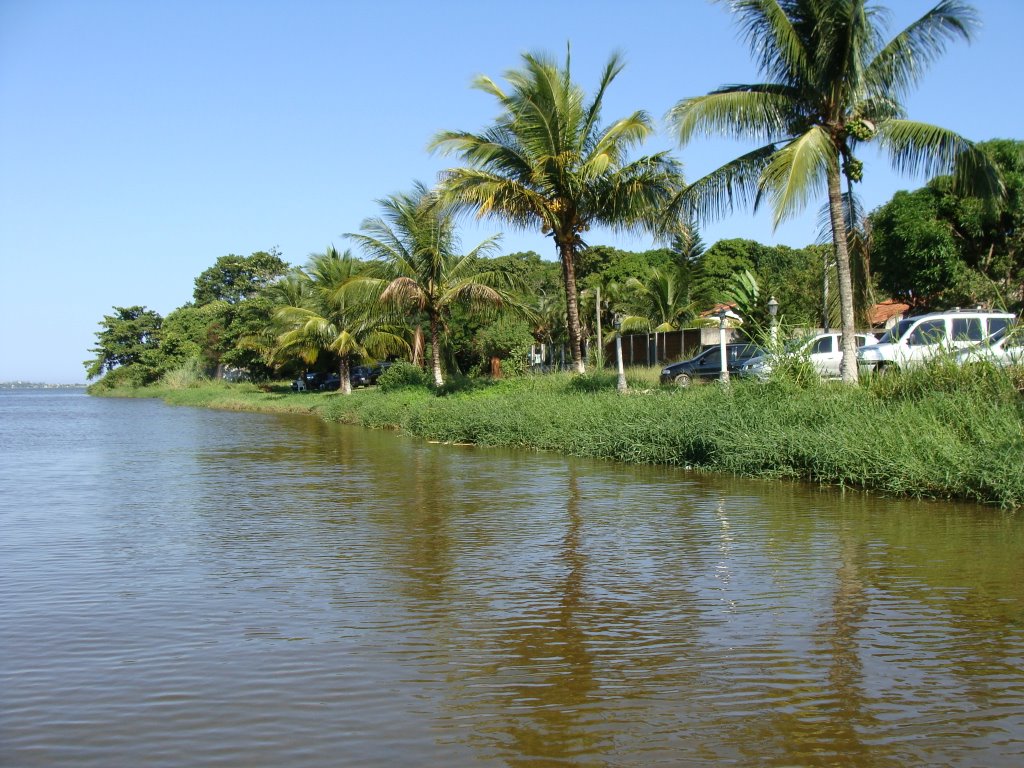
(361, 376)
(708, 364)
(309, 382)
(331, 383)
(378, 369)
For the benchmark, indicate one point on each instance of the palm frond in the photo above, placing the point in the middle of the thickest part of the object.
(797, 172)
(742, 112)
(927, 151)
(731, 186)
(779, 48)
(900, 65)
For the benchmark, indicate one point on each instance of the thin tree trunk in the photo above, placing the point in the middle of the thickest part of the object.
(572, 307)
(435, 347)
(848, 367)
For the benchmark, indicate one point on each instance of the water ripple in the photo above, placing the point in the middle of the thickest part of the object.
(216, 589)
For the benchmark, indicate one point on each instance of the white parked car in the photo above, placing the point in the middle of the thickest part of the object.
(1006, 347)
(824, 351)
(914, 340)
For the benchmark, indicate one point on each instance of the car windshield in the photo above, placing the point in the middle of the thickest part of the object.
(893, 334)
(797, 345)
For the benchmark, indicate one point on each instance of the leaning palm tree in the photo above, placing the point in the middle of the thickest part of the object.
(832, 83)
(338, 313)
(420, 268)
(549, 164)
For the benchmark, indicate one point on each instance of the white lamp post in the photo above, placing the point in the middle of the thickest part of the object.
(724, 375)
(617, 321)
(773, 310)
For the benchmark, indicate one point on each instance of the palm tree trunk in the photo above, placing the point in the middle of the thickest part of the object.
(848, 367)
(343, 374)
(435, 348)
(826, 276)
(417, 346)
(572, 308)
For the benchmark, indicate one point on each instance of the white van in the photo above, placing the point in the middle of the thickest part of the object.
(916, 339)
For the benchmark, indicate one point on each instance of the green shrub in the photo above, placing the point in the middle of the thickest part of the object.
(401, 376)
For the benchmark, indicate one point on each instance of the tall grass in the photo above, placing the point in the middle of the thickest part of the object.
(187, 376)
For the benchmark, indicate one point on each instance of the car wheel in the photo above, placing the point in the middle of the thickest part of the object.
(683, 380)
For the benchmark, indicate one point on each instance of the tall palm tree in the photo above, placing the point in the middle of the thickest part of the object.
(832, 83)
(337, 314)
(417, 247)
(549, 164)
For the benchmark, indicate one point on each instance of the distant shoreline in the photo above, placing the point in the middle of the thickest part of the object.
(37, 385)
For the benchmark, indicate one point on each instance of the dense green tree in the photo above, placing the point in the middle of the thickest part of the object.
(506, 343)
(531, 272)
(612, 265)
(231, 337)
(937, 248)
(235, 278)
(832, 83)
(793, 276)
(915, 254)
(718, 265)
(416, 244)
(183, 338)
(990, 237)
(549, 164)
(123, 339)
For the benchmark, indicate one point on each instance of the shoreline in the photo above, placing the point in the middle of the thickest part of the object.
(956, 445)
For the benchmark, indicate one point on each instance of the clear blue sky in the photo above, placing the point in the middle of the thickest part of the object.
(139, 141)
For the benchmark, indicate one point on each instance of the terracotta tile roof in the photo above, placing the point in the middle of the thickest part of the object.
(885, 311)
(713, 312)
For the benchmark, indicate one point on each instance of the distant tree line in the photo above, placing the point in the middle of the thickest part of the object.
(550, 163)
(930, 247)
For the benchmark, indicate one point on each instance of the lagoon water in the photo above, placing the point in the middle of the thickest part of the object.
(189, 587)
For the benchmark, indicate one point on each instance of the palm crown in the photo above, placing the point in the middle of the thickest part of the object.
(416, 246)
(548, 163)
(832, 83)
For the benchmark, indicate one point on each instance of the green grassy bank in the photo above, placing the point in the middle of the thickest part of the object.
(929, 434)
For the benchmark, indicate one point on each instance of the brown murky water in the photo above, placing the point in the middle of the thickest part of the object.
(187, 587)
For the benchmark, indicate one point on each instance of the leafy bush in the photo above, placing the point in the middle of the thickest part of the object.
(401, 376)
